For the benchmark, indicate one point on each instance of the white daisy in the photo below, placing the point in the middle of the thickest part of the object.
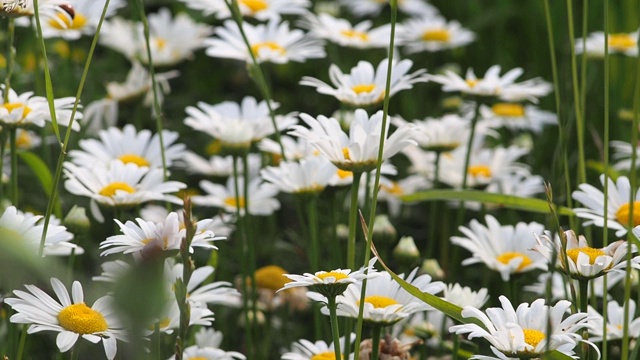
(560, 286)
(71, 319)
(515, 116)
(272, 42)
(219, 166)
(583, 261)
(309, 176)
(618, 206)
(307, 350)
(84, 21)
(619, 43)
(357, 151)
(371, 8)
(207, 347)
(21, 8)
(432, 34)
(503, 248)
(294, 148)
(615, 322)
(172, 39)
(622, 153)
(365, 85)
(170, 319)
(421, 162)
(261, 200)
(391, 191)
(341, 32)
(345, 177)
(25, 109)
(440, 134)
(522, 332)
(221, 225)
(259, 9)
(521, 184)
(199, 295)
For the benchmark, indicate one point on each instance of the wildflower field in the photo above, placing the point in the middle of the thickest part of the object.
(319, 179)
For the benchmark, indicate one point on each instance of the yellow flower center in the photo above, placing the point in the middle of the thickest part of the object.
(78, 22)
(354, 34)
(81, 319)
(133, 158)
(327, 355)
(589, 251)
(111, 189)
(344, 174)
(505, 258)
(255, 49)
(24, 140)
(214, 147)
(533, 337)
(345, 153)
(380, 302)
(233, 202)
(255, 5)
(335, 274)
(363, 88)
(394, 188)
(508, 110)
(439, 35)
(472, 82)
(622, 42)
(198, 358)
(13, 106)
(271, 277)
(622, 215)
(479, 170)
(161, 43)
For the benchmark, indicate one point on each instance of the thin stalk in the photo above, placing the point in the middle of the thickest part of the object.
(251, 247)
(312, 213)
(74, 354)
(431, 241)
(353, 225)
(375, 341)
(335, 333)
(181, 284)
(23, 340)
(456, 347)
(65, 143)
(605, 232)
(583, 58)
(584, 303)
(11, 59)
(14, 165)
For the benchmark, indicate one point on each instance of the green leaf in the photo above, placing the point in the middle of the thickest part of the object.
(509, 201)
(41, 170)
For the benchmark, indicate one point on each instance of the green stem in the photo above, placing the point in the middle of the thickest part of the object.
(375, 342)
(312, 211)
(576, 96)
(11, 59)
(335, 333)
(251, 247)
(23, 340)
(605, 233)
(431, 241)
(353, 224)
(14, 165)
(584, 302)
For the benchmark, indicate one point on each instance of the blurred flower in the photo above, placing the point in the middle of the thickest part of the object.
(522, 332)
(207, 347)
(25, 109)
(619, 43)
(357, 151)
(432, 268)
(432, 34)
(371, 8)
(129, 146)
(294, 148)
(71, 319)
(440, 134)
(515, 116)
(46, 9)
(406, 252)
(391, 191)
(261, 201)
(503, 248)
(84, 21)
(309, 176)
(383, 230)
(259, 9)
(560, 285)
(341, 32)
(219, 166)
(583, 261)
(616, 321)
(622, 155)
(306, 350)
(170, 319)
(618, 206)
(221, 224)
(271, 42)
(77, 220)
(199, 295)
(172, 39)
(519, 184)
(365, 86)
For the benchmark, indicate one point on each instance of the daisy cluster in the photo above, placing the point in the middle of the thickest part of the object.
(270, 124)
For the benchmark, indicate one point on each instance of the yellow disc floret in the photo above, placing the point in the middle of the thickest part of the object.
(133, 158)
(439, 35)
(255, 5)
(363, 88)
(380, 302)
(354, 34)
(16, 105)
(255, 49)
(508, 110)
(233, 202)
(327, 355)
(81, 319)
(506, 257)
(63, 21)
(622, 215)
(271, 277)
(479, 170)
(533, 336)
(110, 190)
(345, 153)
(589, 251)
(622, 42)
(335, 274)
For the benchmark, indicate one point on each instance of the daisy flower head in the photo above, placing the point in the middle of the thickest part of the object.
(516, 116)
(270, 42)
(581, 261)
(25, 109)
(364, 85)
(170, 319)
(440, 134)
(69, 316)
(561, 288)
(391, 191)
(172, 39)
(616, 321)
(261, 201)
(207, 347)
(432, 34)
(521, 184)
(622, 154)
(83, 22)
(218, 166)
(618, 206)
(503, 248)
(307, 350)
(294, 148)
(309, 176)
(619, 43)
(21, 8)
(259, 9)
(200, 294)
(357, 151)
(371, 8)
(522, 332)
(340, 31)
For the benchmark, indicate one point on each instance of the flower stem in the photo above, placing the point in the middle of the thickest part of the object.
(584, 301)
(353, 212)
(334, 325)
(23, 340)
(312, 212)
(605, 233)
(181, 284)
(14, 165)
(375, 342)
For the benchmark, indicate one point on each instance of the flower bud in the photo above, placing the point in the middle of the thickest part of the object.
(384, 232)
(406, 252)
(77, 220)
(432, 268)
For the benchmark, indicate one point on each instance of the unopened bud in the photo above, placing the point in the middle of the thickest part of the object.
(384, 232)
(432, 267)
(77, 220)
(406, 252)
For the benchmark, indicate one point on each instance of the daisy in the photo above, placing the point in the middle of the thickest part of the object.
(84, 21)
(219, 166)
(120, 185)
(259, 9)
(515, 116)
(357, 151)
(365, 86)
(172, 39)
(271, 42)
(421, 162)
(371, 8)
(307, 350)
(619, 43)
(129, 146)
(520, 184)
(618, 207)
(221, 224)
(207, 347)
(522, 332)
(440, 134)
(581, 260)
(309, 176)
(28, 228)
(71, 319)
(170, 319)
(103, 113)
(341, 32)
(261, 201)
(622, 153)
(503, 248)
(560, 286)
(492, 84)
(432, 34)
(345, 177)
(294, 148)
(25, 109)
(147, 237)
(46, 9)
(615, 322)
(392, 191)
(199, 295)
